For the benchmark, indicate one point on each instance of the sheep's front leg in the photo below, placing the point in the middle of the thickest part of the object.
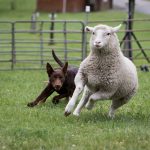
(98, 96)
(73, 100)
(79, 82)
(83, 101)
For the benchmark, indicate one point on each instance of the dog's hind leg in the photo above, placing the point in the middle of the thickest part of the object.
(83, 101)
(43, 96)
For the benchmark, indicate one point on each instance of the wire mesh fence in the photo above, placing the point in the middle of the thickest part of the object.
(28, 44)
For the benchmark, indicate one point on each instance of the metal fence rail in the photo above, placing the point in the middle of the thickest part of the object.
(28, 44)
(25, 47)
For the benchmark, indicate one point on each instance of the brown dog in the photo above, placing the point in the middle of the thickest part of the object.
(60, 80)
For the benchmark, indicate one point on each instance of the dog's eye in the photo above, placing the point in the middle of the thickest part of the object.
(93, 33)
(60, 77)
(108, 33)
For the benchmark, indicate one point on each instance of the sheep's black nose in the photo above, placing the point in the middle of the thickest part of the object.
(97, 43)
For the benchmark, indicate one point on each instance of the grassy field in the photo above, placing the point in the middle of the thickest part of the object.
(44, 127)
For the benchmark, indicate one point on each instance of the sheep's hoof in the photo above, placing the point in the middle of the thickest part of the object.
(67, 113)
(111, 115)
(68, 109)
(75, 114)
(89, 105)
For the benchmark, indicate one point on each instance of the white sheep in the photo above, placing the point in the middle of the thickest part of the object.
(105, 74)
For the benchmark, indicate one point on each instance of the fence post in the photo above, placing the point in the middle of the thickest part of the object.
(33, 22)
(52, 28)
(84, 43)
(13, 51)
(65, 40)
(41, 43)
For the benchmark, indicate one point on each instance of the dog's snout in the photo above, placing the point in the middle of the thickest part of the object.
(57, 87)
(57, 83)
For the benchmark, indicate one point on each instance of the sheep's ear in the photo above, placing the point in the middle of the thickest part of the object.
(117, 28)
(89, 29)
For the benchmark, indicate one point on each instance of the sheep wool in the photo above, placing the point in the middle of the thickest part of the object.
(105, 74)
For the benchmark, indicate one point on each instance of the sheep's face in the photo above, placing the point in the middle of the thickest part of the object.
(101, 35)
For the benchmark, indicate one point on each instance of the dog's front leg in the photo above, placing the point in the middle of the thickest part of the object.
(43, 96)
(79, 82)
(58, 97)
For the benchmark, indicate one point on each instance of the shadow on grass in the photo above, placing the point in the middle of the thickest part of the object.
(96, 116)
(124, 117)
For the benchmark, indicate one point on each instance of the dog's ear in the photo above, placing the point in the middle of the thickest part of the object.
(49, 69)
(64, 69)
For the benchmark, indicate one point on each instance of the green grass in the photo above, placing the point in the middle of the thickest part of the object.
(45, 127)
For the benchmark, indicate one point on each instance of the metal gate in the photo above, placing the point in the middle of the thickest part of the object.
(28, 44)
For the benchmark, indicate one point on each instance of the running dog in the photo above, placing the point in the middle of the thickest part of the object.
(60, 80)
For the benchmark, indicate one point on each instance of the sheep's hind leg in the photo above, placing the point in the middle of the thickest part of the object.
(90, 104)
(98, 96)
(83, 101)
(115, 105)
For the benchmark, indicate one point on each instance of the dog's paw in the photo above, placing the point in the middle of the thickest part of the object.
(55, 101)
(31, 104)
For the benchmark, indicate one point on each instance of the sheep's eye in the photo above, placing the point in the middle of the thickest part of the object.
(108, 33)
(93, 33)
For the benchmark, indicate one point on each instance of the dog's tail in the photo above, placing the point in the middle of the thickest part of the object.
(61, 64)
